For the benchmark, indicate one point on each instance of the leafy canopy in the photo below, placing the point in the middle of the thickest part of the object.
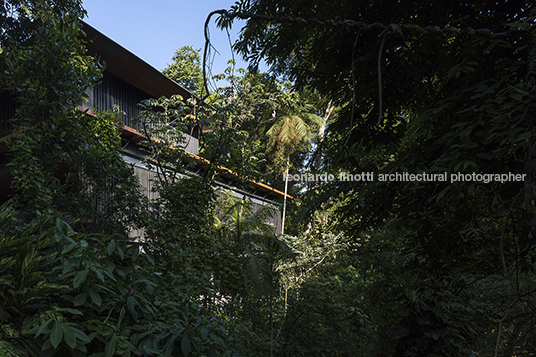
(423, 87)
(186, 69)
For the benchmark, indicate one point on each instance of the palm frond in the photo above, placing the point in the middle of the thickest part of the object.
(255, 239)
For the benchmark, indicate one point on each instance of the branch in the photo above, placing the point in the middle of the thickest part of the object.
(380, 95)
(401, 30)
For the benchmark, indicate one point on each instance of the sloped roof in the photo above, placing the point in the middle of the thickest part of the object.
(129, 67)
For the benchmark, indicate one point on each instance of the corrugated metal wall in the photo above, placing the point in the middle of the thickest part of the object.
(191, 144)
(111, 91)
(115, 91)
(148, 179)
(274, 220)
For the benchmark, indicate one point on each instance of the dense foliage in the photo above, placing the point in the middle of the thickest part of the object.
(422, 88)
(63, 159)
(70, 281)
(186, 69)
(20, 20)
(392, 267)
(260, 126)
(79, 294)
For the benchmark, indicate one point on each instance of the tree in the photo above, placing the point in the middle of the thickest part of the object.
(52, 128)
(293, 122)
(236, 134)
(78, 292)
(423, 88)
(291, 126)
(186, 69)
(251, 239)
(253, 243)
(70, 293)
(63, 159)
(20, 20)
(247, 127)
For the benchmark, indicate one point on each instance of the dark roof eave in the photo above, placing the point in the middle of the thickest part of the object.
(129, 67)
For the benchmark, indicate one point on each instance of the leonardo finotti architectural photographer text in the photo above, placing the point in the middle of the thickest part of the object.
(407, 177)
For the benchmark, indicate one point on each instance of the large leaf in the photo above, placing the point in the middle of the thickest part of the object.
(80, 299)
(95, 297)
(111, 247)
(80, 278)
(57, 334)
(69, 336)
(185, 344)
(204, 332)
(109, 350)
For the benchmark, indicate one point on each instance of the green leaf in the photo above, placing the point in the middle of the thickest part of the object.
(121, 316)
(70, 337)
(212, 351)
(135, 252)
(43, 327)
(80, 299)
(185, 344)
(57, 334)
(130, 305)
(215, 338)
(204, 332)
(47, 345)
(71, 311)
(523, 137)
(223, 331)
(80, 278)
(168, 348)
(98, 272)
(68, 248)
(80, 335)
(522, 25)
(149, 259)
(111, 247)
(59, 224)
(121, 254)
(109, 350)
(95, 297)
(516, 96)
(521, 91)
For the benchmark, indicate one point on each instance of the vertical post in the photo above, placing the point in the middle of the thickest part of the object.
(271, 327)
(285, 199)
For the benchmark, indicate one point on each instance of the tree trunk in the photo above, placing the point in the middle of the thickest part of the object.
(285, 199)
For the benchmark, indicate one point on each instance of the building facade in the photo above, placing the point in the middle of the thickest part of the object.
(127, 80)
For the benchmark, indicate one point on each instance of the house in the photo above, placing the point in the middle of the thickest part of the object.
(126, 81)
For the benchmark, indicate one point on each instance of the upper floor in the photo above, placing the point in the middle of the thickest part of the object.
(126, 81)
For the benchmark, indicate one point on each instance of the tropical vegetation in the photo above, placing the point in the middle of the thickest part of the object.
(392, 267)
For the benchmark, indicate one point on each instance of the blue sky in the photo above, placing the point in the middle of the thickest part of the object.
(154, 29)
